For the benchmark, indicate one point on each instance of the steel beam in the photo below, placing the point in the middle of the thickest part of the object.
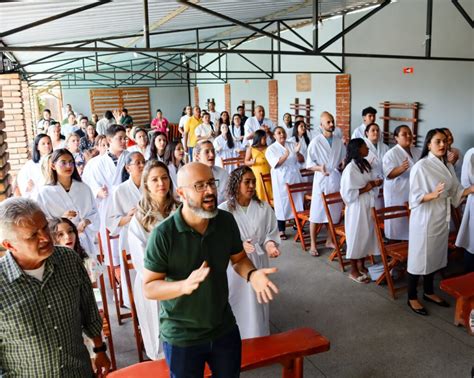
(315, 25)
(53, 18)
(146, 24)
(242, 24)
(429, 25)
(463, 12)
(354, 25)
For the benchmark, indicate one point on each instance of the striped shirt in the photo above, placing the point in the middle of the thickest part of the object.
(42, 321)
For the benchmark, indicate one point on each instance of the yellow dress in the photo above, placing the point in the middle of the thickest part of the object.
(261, 166)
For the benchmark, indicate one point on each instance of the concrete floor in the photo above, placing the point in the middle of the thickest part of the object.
(371, 334)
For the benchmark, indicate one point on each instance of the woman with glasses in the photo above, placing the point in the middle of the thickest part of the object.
(66, 196)
(156, 204)
(259, 233)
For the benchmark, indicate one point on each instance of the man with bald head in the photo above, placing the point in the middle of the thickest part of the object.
(259, 122)
(326, 118)
(185, 269)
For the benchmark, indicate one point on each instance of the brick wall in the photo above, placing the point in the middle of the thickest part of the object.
(5, 188)
(273, 101)
(28, 112)
(196, 96)
(343, 103)
(227, 101)
(14, 118)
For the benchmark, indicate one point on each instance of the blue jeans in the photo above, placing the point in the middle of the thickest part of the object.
(223, 356)
(190, 153)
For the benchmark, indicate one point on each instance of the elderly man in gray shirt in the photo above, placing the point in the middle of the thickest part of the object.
(46, 301)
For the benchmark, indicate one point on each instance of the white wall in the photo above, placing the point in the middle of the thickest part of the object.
(170, 100)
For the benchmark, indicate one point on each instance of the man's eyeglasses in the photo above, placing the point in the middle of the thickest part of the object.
(201, 186)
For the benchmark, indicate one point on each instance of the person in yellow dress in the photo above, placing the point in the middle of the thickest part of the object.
(256, 160)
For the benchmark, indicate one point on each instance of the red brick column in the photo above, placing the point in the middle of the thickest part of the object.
(343, 103)
(5, 187)
(28, 112)
(273, 101)
(227, 104)
(15, 129)
(196, 96)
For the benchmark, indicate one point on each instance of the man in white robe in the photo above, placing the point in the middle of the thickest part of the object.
(258, 122)
(214, 115)
(368, 117)
(103, 174)
(205, 153)
(326, 153)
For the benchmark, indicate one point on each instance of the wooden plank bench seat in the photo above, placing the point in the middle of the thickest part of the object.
(461, 288)
(286, 348)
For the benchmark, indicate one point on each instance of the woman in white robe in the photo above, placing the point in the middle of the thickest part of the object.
(224, 147)
(465, 237)
(66, 196)
(174, 160)
(158, 144)
(54, 132)
(30, 178)
(434, 188)
(140, 136)
(156, 204)
(238, 133)
(325, 158)
(283, 159)
(359, 188)
(397, 163)
(123, 205)
(259, 232)
(377, 150)
(300, 135)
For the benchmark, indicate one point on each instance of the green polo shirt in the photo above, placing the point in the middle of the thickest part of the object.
(176, 249)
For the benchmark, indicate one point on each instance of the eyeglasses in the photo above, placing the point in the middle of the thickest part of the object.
(201, 186)
(64, 164)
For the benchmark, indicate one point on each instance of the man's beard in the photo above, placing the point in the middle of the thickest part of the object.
(202, 213)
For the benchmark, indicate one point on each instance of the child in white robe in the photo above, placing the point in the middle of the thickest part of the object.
(359, 188)
(174, 160)
(259, 232)
(154, 206)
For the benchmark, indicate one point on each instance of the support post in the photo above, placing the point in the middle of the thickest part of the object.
(315, 24)
(146, 24)
(429, 24)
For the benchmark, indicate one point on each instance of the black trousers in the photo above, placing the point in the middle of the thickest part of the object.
(413, 283)
(468, 262)
(281, 225)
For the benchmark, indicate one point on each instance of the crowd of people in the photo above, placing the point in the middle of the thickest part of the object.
(201, 233)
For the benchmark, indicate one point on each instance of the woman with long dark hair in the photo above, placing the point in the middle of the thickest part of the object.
(30, 179)
(300, 135)
(359, 188)
(224, 146)
(397, 163)
(158, 143)
(174, 160)
(238, 132)
(259, 232)
(434, 188)
(156, 204)
(255, 158)
(66, 196)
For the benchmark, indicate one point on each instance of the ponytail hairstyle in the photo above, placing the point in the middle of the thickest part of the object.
(353, 154)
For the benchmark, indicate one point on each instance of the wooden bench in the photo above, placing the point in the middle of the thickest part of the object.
(286, 348)
(461, 288)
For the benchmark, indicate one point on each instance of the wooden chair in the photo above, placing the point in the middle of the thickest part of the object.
(306, 173)
(267, 180)
(286, 348)
(461, 288)
(301, 217)
(128, 266)
(114, 278)
(337, 231)
(394, 254)
(104, 313)
(233, 161)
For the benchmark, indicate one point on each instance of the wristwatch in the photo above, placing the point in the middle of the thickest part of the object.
(100, 349)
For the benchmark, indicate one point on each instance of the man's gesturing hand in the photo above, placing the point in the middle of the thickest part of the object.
(195, 278)
(262, 285)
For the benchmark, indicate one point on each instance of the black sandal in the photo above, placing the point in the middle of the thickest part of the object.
(283, 236)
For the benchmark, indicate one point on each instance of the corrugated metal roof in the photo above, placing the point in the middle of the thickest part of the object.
(125, 17)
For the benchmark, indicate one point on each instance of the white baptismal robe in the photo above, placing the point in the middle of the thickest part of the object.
(429, 221)
(303, 149)
(257, 223)
(359, 225)
(55, 201)
(223, 151)
(287, 173)
(221, 175)
(375, 158)
(98, 172)
(136, 148)
(30, 171)
(465, 237)
(147, 310)
(396, 190)
(320, 152)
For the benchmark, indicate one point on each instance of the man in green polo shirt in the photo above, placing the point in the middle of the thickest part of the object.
(185, 268)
